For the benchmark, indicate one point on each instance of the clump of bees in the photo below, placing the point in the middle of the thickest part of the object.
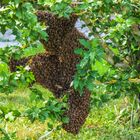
(55, 68)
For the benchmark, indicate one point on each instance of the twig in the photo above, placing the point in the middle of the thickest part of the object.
(47, 134)
(76, 3)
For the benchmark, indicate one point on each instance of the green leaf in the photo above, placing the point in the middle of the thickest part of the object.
(84, 62)
(79, 51)
(65, 120)
(85, 43)
(76, 82)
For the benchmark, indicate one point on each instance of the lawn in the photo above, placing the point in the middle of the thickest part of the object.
(108, 122)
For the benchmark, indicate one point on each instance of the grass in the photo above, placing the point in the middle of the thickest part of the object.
(101, 123)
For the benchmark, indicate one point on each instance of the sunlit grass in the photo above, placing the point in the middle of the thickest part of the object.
(100, 125)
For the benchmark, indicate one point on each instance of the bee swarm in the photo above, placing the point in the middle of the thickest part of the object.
(55, 68)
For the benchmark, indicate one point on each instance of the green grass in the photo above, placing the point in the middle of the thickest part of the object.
(100, 125)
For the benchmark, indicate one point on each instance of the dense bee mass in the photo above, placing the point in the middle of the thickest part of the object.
(78, 111)
(55, 68)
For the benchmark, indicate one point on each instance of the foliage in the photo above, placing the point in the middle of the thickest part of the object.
(115, 25)
(39, 108)
(117, 33)
(10, 81)
(43, 109)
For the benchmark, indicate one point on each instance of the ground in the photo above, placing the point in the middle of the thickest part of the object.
(103, 123)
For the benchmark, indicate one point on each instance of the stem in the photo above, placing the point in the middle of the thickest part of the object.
(132, 113)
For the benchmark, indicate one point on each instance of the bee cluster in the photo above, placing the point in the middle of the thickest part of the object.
(55, 68)
(78, 111)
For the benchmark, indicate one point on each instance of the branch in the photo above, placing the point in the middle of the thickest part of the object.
(131, 80)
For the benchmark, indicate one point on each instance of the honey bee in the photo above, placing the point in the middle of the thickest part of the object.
(55, 68)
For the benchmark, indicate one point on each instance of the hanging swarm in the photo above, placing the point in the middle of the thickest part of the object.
(78, 111)
(55, 69)
(46, 69)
